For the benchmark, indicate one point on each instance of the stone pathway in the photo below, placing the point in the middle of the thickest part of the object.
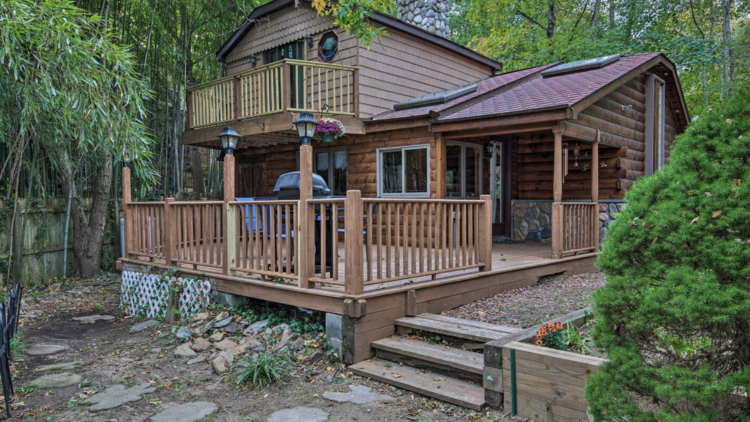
(144, 325)
(117, 395)
(187, 412)
(46, 349)
(299, 414)
(359, 395)
(63, 366)
(91, 319)
(60, 380)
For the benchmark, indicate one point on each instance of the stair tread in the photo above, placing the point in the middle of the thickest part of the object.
(447, 389)
(472, 323)
(460, 329)
(459, 359)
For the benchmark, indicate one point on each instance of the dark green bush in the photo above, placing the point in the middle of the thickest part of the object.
(674, 316)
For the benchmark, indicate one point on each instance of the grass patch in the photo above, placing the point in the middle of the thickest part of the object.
(268, 367)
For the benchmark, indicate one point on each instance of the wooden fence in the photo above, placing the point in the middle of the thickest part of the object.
(292, 85)
(578, 226)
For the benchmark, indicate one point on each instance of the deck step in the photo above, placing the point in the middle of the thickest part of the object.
(417, 351)
(456, 327)
(447, 389)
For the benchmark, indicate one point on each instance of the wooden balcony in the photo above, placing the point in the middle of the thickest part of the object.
(283, 86)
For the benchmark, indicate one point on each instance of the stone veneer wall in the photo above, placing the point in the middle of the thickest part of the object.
(430, 15)
(532, 219)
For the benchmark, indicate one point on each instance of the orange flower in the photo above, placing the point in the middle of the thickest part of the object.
(559, 325)
(552, 330)
(539, 343)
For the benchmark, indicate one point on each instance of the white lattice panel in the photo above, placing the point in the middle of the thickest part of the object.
(147, 294)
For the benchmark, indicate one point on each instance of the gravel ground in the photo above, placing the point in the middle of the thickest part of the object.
(534, 304)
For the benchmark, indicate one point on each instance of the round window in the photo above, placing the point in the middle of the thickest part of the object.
(329, 46)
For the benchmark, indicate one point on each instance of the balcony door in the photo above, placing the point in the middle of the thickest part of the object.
(294, 50)
(500, 188)
(463, 170)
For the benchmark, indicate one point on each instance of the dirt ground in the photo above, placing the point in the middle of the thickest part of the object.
(111, 355)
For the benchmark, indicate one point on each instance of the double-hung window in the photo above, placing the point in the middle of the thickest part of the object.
(404, 171)
(330, 164)
(655, 122)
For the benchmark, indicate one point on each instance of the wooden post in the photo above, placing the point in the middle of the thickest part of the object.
(168, 232)
(355, 88)
(557, 220)
(440, 165)
(595, 190)
(306, 223)
(353, 239)
(485, 232)
(286, 86)
(230, 223)
(237, 99)
(189, 103)
(126, 198)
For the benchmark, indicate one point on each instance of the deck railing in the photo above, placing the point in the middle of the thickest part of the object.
(286, 85)
(578, 226)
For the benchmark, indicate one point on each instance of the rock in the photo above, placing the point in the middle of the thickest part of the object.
(183, 333)
(546, 233)
(117, 395)
(233, 328)
(184, 351)
(222, 362)
(216, 337)
(187, 412)
(255, 328)
(200, 316)
(225, 344)
(359, 394)
(299, 414)
(208, 326)
(224, 322)
(603, 216)
(144, 325)
(200, 345)
(250, 342)
(285, 337)
(91, 319)
(199, 359)
(222, 315)
(228, 299)
(64, 366)
(60, 380)
(46, 349)
(237, 350)
(613, 209)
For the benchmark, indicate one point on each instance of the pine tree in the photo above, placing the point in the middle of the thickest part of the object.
(674, 316)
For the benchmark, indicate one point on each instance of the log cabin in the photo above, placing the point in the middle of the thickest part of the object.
(454, 181)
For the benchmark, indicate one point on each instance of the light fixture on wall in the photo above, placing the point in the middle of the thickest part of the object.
(489, 149)
(253, 60)
(309, 41)
(576, 153)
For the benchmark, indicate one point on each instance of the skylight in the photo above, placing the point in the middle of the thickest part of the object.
(596, 63)
(441, 97)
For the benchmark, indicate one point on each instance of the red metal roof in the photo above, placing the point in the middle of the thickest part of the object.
(559, 91)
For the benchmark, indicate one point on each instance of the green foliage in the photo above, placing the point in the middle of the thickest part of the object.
(576, 340)
(265, 368)
(673, 317)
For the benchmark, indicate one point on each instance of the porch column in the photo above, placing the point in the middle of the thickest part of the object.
(557, 186)
(595, 189)
(126, 198)
(306, 237)
(230, 224)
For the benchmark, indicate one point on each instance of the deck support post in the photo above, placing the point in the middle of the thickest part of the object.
(230, 222)
(557, 187)
(306, 237)
(353, 240)
(485, 233)
(286, 89)
(126, 199)
(168, 232)
(595, 189)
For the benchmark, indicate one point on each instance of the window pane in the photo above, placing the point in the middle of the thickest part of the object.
(321, 167)
(453, 171)
(499, 185)
(339, 173)
(416, 170)
(472, 172)
(391, 172)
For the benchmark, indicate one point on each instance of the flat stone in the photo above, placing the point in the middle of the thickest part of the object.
(199, 359)
(299, 414)
(64, 366)
(144, 325)
(222, 362)
(46, 349)
(117, 395)
(224, 322)
(208, 326)
(200, 316)
(216, 337)
(359, 394)
(233, 328)
(183, 333)
(285, 337)
(200, 345)
(60, 380)
(187, 412)
(184, 351)
(250, 342)
(91, 319)
(255, 328)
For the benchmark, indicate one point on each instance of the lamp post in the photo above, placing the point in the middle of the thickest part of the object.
(229, 138)
(306, 127)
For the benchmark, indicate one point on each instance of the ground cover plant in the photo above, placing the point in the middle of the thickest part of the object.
(673, 317)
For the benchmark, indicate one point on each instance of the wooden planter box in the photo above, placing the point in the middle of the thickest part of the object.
(547, 384)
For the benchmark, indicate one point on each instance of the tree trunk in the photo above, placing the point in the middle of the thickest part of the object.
(550, 19)
(726, 30)
(611, 13)
(196, 170)
(595, 16)
(88, 227)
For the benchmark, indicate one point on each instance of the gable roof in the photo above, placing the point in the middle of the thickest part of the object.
(377, 17)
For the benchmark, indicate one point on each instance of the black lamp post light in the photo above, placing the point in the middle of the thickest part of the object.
(229, 138)
(126, 160)
(306, 127)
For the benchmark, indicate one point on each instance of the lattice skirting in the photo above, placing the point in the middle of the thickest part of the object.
(146, 295)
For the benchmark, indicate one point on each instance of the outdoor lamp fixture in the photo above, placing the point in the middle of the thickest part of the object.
(489, 149)
(126, 160)
(306, 127)
(309, 41)
(229, 138)
(253, 60)
(576, 152)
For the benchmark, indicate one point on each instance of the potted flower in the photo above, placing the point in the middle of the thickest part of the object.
(329, 129)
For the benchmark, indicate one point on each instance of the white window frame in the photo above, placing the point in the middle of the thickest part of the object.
(403, 150)
(462, 167)
(330, 152)
(660, 150)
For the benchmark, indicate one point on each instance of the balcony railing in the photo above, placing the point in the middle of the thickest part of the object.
(286, 85)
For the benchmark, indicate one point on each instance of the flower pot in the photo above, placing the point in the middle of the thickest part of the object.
(326, 138)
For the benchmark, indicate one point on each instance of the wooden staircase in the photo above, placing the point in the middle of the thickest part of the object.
(448, 373)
